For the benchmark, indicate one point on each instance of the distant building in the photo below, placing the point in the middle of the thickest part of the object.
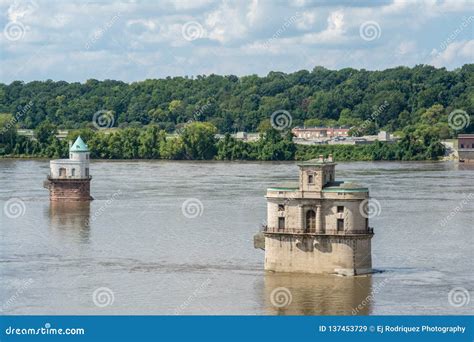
(466, 148)
(244, 136)
(310, 133)
(241, 135)
(317, 225)
(383, 136)
(69, 179)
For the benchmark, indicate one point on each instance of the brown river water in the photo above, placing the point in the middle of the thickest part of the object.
(166, 237)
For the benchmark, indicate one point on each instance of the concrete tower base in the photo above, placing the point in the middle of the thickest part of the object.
(345, 255)
(69, 189)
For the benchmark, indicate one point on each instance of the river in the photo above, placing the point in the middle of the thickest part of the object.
(134, 250)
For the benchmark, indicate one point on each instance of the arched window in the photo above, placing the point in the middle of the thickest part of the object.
(310, 179)
(310, 220)
(62, 172)
(73, 172)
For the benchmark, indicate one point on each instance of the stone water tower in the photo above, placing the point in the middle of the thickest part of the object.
(318, 225)
(69, 179)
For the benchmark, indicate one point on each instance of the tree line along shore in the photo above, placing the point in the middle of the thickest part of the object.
(413, 103)
(197, 141)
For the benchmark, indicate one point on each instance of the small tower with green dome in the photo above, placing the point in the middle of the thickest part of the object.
(69, 179)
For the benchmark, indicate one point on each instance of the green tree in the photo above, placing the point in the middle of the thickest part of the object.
(275, 146)
(172, 148)
(150, 143)
(45, 131)
(199, 140)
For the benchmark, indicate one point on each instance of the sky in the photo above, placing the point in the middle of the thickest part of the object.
(136, 40)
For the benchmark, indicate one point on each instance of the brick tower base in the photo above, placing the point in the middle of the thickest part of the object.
(69, 189)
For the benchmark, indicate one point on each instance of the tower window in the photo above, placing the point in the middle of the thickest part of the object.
(62, 172)
(281, 207)
(87, 172)
(310, 179)
(340, 209)
(340, 225)
(73, 172)
(281, 223)
(310, 220)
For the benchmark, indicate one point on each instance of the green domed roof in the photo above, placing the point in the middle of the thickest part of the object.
(79, 146)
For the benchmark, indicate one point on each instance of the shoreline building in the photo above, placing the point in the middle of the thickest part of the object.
(318, 225)
(69, 179)
(310, 133)
(466, 148)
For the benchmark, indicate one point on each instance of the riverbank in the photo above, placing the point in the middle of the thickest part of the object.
(197, 142)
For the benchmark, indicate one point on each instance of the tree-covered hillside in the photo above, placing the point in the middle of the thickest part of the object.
(421, 97)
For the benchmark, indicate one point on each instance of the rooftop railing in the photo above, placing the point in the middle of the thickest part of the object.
(72, 178)
(312, 231)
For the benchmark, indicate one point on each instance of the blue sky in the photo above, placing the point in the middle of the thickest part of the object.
(135, 40)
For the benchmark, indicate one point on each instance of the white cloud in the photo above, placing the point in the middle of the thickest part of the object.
(332, 34)
(245, 36)
(226, 23)
(456, 51)
(20, 9)
(307, 20)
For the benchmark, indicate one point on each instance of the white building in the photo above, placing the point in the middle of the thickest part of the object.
(76, 167)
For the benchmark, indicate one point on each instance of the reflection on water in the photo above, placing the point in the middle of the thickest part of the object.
(307, 294)
(464, 166)
(70, 219)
